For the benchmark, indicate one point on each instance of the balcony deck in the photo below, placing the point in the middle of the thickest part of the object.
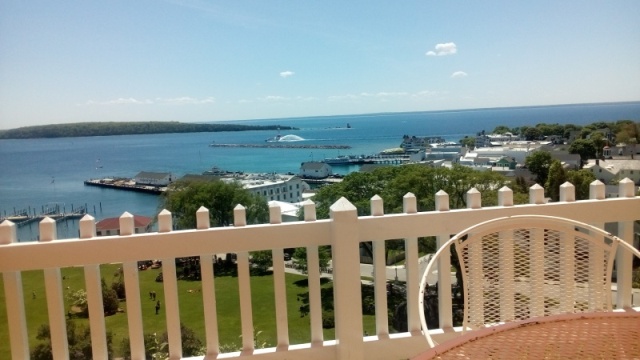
(344, 232)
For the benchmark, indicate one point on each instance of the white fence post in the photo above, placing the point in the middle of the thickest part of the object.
(13, 292)
(380, 274)
(170, 286)
(347, 285)
(624, 259)
(93, 282)
(313, 277)
(55, 298)
(208, 289)
(412, 276)
(445, 311)
(132, 291)
(279, 288)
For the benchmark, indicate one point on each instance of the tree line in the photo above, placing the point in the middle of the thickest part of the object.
(125, 128)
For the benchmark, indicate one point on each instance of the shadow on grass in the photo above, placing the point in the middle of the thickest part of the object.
(305, 282)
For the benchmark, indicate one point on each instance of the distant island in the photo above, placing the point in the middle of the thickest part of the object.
(125, 128)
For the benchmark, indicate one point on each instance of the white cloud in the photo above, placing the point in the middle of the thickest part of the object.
(273, 98)
(186, 100)
(286, 74)
(458, 75)
(183, 100)
(443, 49)
(120, 101)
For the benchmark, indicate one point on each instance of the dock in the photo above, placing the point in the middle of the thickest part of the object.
(125, 184)
(24, 217)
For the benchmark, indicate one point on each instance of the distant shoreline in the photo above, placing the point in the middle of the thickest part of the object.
(126, 128)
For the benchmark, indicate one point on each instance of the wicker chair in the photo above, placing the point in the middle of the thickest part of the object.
(518, 268)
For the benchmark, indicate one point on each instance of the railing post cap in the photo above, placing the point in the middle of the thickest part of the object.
(473, 190)
(202, 209)
(7, 232)
(442, 193)
(165, 212)
(88, 217)
(505, 189)
(536, 186)
(567, 184)
(341, 205)
(376, 197)
(596, 182)
(308, 202)
(239, 207)
(408, 195)
(126, 214)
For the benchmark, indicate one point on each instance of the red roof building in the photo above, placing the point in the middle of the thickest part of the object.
(111, 226)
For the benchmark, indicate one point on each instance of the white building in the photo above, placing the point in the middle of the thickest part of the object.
(315, 170)
(518, 152)
(286, 188)
(610, 170)
(153, 178)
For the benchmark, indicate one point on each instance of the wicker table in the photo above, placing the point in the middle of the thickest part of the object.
(606, 335)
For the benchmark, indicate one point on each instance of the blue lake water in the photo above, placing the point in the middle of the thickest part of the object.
(39, 172)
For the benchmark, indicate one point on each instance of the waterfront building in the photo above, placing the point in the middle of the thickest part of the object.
(315, 170)
(153, 178)
(278, 187)
(111, 226)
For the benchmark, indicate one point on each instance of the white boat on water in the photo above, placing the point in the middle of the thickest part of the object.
(285, 138)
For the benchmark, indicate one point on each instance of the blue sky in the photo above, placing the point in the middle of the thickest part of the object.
(190, 60)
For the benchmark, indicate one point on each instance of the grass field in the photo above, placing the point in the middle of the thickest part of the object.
(191, 307)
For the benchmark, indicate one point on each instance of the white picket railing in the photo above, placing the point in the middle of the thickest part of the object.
(344, 231)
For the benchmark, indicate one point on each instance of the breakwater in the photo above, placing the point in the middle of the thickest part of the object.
(281, 146)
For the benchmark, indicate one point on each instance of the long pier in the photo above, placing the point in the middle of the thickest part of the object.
(125, 184)
(282, 146)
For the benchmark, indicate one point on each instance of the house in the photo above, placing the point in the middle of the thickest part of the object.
(153, 178)
(315, 170)
(506, 162)
(569, 161)
(608, 171)
(111, 226)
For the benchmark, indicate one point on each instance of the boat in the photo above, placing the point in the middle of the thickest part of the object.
(348, 160)
(338, 160)
(274, 139)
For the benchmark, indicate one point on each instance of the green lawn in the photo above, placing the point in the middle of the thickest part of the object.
(191, 307)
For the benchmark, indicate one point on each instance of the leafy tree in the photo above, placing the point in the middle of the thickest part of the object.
(583, 147)
(79, 340)
(184, 198)
(468, 141)
(261, 260)
(300, 257)
(532, 133)
(581, 180)
(109, 298)
(556, 177)
(599, 141)
(501, 129)
(538, 163)
(157, 346)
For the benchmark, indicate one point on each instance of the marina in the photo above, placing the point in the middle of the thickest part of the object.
(27, 216)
